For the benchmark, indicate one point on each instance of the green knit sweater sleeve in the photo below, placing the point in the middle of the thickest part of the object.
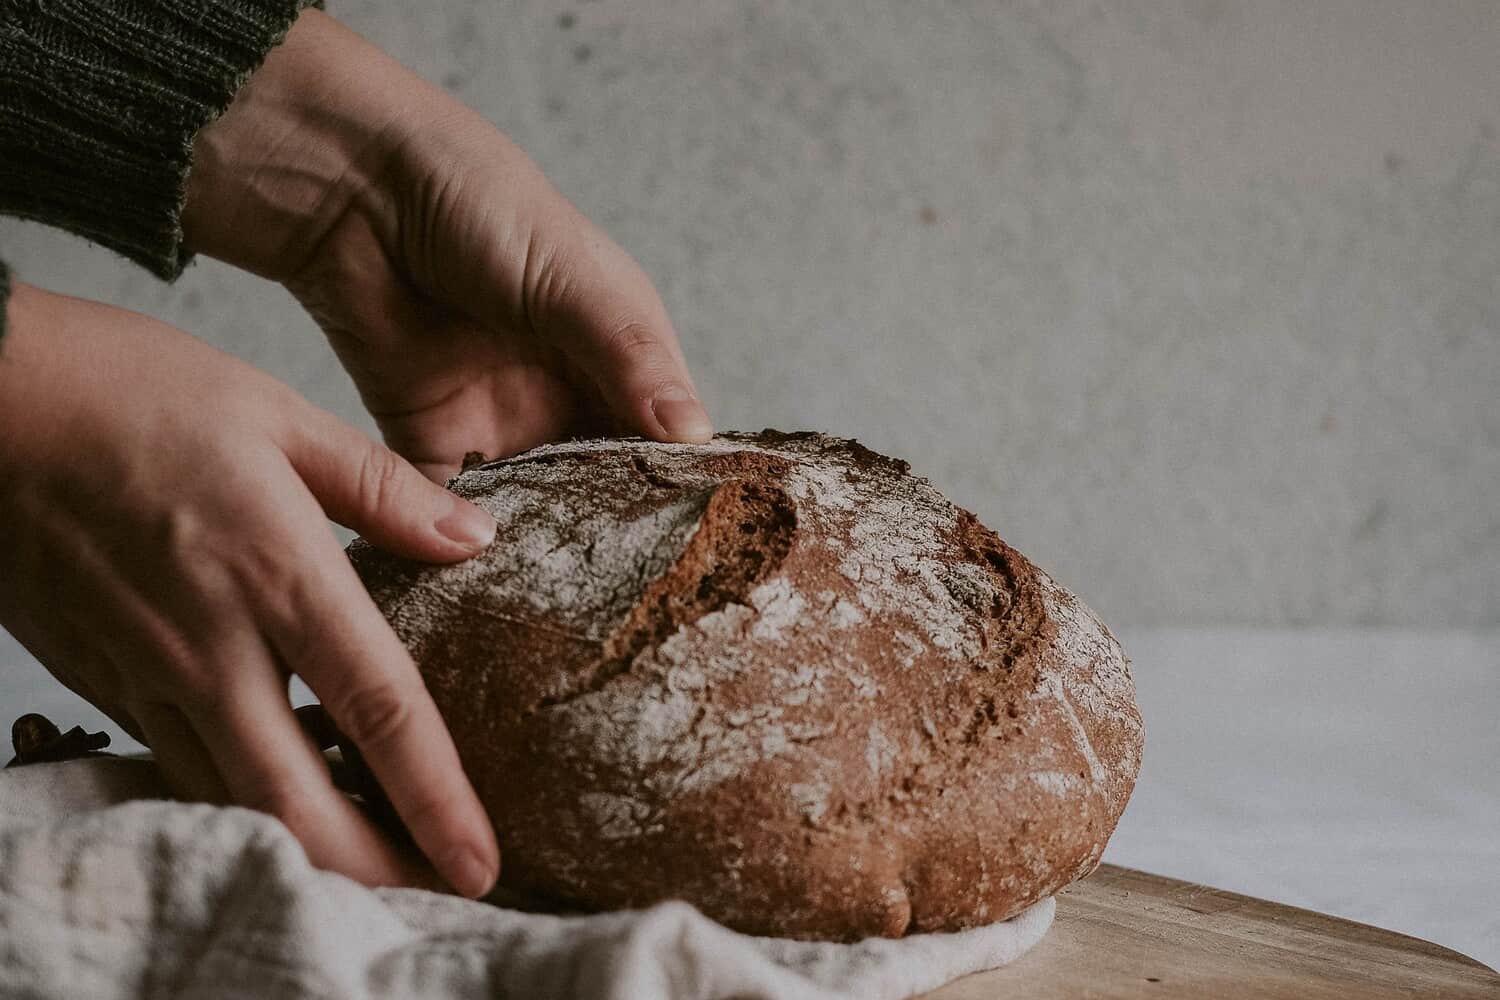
(99, 103)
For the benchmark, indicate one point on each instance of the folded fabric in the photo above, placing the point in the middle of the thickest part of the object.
(107, 891)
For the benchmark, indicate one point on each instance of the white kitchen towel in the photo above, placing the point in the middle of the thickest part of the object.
(104, 897)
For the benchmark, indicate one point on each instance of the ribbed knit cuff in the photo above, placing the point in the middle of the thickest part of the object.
(99, 103)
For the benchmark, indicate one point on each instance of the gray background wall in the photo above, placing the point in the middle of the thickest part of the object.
(1195, 302)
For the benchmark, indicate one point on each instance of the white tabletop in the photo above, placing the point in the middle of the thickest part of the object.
(1352, 772)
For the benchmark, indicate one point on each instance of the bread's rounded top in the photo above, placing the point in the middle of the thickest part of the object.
(770, 639)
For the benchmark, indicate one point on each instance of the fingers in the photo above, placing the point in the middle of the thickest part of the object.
(324, 627)
(367, 487)
(339, 643)
(581, 293)
(268, 764)
(179, 753)
(600, 308)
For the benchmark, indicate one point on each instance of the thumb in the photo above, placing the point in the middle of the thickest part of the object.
(603, 312)
(581, 293)
(369, 488)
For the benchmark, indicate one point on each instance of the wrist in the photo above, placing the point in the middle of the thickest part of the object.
(301, 146)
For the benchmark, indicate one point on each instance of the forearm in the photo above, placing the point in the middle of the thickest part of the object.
(99, 104)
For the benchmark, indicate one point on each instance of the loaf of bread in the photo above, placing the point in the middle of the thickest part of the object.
(775, 675)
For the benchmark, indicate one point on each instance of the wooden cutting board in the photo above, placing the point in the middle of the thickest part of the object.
(1123, 933)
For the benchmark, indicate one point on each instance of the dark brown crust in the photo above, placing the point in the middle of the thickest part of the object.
(776, 676)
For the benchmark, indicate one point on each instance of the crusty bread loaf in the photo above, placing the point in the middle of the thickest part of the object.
(775, 675)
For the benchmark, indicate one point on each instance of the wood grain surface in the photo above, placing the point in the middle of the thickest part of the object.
(1123, 933)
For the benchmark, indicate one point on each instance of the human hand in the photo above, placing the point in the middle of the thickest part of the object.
(475, 308)
(164, 552)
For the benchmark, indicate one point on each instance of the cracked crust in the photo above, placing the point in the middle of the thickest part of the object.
(774, 675)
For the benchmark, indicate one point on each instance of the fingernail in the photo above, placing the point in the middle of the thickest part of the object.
(680, 415)
(467, 525)
(471, 876)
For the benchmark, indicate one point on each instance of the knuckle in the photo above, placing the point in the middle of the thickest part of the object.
(184, 534)
(549, 273)
(269, 578)
(380, 478)
(633, 342)
(261, 566)
(373, 715)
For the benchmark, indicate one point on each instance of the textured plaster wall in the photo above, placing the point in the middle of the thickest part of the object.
(1198, 304)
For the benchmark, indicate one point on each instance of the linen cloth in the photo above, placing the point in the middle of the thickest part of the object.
(107, 891)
